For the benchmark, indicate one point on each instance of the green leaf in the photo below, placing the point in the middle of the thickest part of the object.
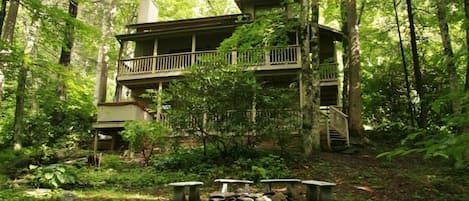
(48, 175)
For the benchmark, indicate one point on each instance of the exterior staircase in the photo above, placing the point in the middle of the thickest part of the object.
(334, 132)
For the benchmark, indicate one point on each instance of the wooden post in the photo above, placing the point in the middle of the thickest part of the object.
(300, 78)
(234, 57)
(95, 144)
(155, 54)
(113, 142)
(194, 46)
(159, 101)
(267, 56)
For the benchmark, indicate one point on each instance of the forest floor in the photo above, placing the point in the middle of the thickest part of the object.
(359, 176)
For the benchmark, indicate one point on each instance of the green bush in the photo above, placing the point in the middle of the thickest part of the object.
(56, 175)
(112, 161)
(266, 167)
(145, 135)
(239, 163)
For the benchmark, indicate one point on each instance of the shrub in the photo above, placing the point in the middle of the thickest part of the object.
(112, 161)
(145, 135)
(55, 175)
(266, 167)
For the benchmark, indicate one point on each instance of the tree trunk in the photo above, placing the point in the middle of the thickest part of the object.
(355, 107)
(404, 66)
(66, 53)
(466, 85)
(466, 13)
(11, 21)
(306, 74)
(107, 27)
(8, 35)
(345, 58)
(315, 95)
(448, 51)
(31, 32)
(422, 120)
(310, 90)
(3, 13)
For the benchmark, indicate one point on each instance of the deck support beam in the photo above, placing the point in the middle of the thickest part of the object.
(155, 54)
(159, 101)
(193, 49)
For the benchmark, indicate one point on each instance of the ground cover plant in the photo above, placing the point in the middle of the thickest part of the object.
(359, 176)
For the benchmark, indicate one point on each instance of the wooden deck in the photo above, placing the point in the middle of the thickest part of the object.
(173, 65)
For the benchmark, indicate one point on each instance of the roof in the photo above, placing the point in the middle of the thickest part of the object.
(149, 30)
(182, 26)
(241, 3)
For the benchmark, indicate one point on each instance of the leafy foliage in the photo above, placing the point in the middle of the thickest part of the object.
(144, 135)
(246, 163)
(268, 30)
(51, 176)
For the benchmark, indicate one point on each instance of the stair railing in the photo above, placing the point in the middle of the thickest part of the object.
(339, 122)
(325, 121)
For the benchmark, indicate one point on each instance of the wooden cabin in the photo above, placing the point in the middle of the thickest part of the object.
(164, 50)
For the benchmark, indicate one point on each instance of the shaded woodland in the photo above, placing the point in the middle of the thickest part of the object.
(405, 88)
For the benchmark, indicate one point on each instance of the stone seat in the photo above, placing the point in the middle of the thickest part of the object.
(318, 190)
(290, 183)
(179, 193)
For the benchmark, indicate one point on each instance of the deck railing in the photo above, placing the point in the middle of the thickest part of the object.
(179, 62)
(291, 118)
(328, 71)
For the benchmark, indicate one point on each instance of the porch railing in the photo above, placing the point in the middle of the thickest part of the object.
(291, 118)
(253, 57)
(180, 61)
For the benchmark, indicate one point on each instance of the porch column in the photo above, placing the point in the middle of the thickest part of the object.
(194, 46)
(159, 102)
(300, 78)
(120, 69)
(234, 57)
(155, 53)
(267, 56)
(123, 47)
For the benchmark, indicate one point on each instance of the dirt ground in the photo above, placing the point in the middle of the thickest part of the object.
(363, 177)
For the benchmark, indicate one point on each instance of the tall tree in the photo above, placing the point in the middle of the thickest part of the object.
(345, 58)
(316, 84)
(107, 28)
(310, 91)
(8, 34)
(355, 101)
(416, 63)
(466, 85)
(466, 14)
(404, 65)
(66, 52)
(11, 21)
(3, 13)
(31, 32)
(448, 52)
